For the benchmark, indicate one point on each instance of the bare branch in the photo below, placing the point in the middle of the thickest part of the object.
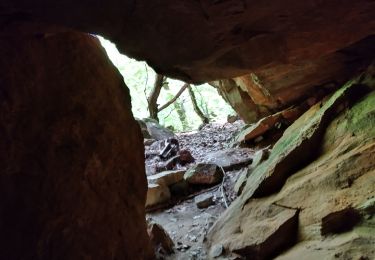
(182, 89)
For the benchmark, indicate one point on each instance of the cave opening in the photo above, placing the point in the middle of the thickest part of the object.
(181, 139)
(288, 175)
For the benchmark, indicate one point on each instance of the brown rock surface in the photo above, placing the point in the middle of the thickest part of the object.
(270, 229)
(157, 194)
(267, 56)
(204, 174)
(203, 40)
(230, 158)
(72, 186)
(167, 178)
(298, 146)
(160, 238)
(340, 176)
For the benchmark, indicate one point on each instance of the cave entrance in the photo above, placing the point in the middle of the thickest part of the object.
(191, 135)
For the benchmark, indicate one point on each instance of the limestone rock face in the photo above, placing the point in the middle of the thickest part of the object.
(72, 186)
(333, 189)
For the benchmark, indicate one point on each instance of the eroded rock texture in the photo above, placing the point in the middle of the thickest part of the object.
(72, 186)
(322, 166)
(206, 40)
(269, 54)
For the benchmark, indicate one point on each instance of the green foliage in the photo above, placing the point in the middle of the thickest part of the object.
(139, 78)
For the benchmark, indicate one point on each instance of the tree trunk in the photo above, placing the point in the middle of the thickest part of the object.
(197, 110)
(180, 109)
(152, 99)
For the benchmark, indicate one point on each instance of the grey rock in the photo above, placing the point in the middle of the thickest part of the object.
(231, 158)
(204, 200)
(217, 250)
(204, 173)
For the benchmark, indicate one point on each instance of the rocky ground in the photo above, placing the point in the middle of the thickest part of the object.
(194, 176)
(185, 223)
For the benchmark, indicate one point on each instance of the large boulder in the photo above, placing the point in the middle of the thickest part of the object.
(72, 186)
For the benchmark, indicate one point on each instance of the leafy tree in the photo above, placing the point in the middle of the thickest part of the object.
(139, 78)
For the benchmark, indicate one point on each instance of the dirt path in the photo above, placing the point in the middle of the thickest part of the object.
(186, 224)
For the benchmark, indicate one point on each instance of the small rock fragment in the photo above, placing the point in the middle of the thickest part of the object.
(157, 194)
(204, 200)
(160, 238)
(202, 173)
(185, 157)
(148, 142)
(166, 178)
(217, 250)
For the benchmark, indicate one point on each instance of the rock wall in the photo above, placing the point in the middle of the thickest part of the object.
(274, 53)
(208, 40)
(269, 90)
(314, 198)
(72, 184)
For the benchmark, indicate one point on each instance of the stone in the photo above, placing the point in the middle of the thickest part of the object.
(157, 194)
(185, 157)
(230, 158)
(204, 200)
(166, 178)
(160, 238)
(143, 126)
(157, 131)
(256, 130)
(72, 183)
(204, 174)
(148, 142)
(217, 250)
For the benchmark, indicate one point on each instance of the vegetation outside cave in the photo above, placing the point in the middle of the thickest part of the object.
(181, 115)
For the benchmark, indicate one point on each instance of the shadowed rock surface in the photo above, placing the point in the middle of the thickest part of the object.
(268, 56)
(66, 181)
